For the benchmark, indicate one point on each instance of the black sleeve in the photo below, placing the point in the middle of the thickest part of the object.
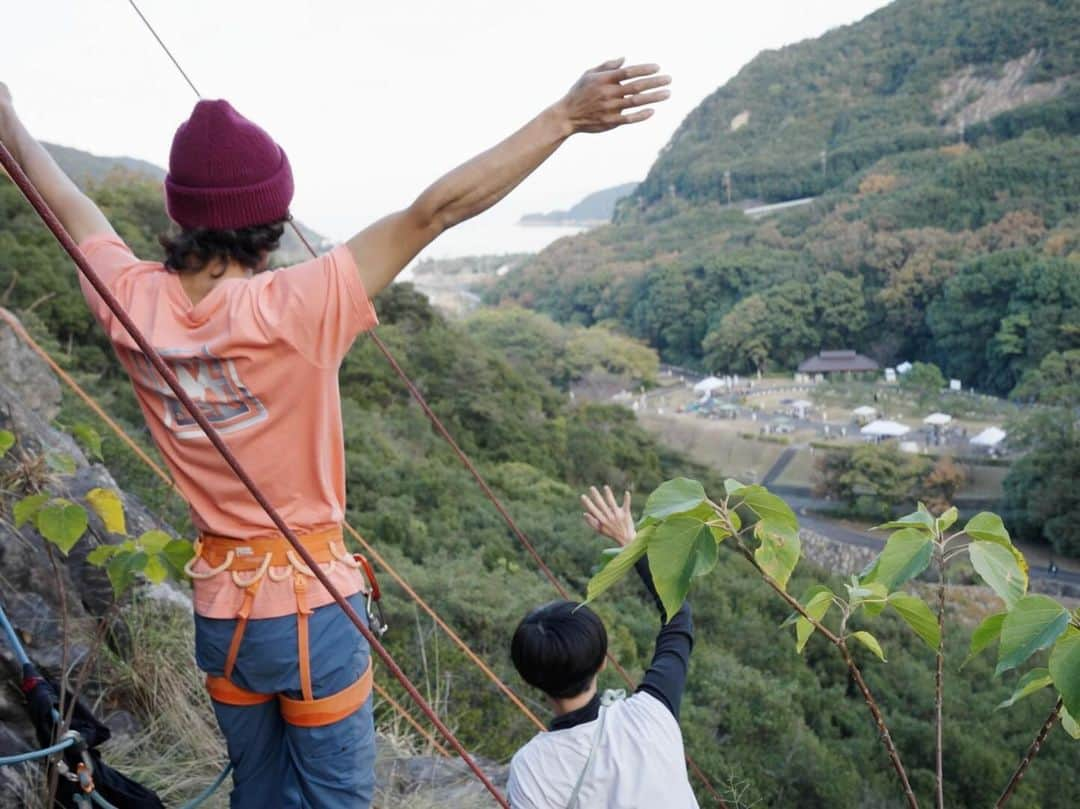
(665, 678)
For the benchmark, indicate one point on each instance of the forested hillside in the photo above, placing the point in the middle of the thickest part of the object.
(768, 725)
(942, 138)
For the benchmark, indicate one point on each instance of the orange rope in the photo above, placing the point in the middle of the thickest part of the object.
(21, 332)
(385, 695)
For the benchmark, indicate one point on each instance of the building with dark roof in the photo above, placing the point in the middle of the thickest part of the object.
(831, 362)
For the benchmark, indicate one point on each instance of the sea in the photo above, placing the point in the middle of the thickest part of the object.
(487, 236)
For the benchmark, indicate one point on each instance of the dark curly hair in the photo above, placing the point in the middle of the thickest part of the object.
(191, 250)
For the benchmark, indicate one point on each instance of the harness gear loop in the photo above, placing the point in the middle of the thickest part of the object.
(248, 563)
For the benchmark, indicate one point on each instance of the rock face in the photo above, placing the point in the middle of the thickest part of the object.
(29, 591)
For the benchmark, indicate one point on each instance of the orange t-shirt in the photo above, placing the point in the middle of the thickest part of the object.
(260, 356)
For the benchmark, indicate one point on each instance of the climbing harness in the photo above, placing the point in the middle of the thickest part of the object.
(249, 563)
(609, 698)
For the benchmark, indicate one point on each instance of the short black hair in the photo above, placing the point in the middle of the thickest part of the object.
(192, 249)
(559, 648)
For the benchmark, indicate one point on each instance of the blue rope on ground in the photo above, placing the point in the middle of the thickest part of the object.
(192, 804)
(13, 639)
(36, 754)
(210, 790)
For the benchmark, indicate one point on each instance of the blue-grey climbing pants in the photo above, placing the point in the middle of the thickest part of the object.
(280, 766)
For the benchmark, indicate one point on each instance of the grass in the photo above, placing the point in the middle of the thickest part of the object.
(714, 444)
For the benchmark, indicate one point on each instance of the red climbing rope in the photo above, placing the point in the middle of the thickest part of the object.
(49, 218)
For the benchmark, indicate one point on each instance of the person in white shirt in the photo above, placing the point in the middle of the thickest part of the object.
(602, 751)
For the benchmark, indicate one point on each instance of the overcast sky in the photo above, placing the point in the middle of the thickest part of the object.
(373, 100)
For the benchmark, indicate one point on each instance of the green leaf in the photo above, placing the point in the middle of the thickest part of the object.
(866, 593)
(108, 506)
(768, 507)
(779, 550)
(817, 606)
(27, 508)
(680, 549)
(122, 569)
(918, 616)
(673, 497)
(870, 642)
(60, 463)
(88, 439)
(1065, 669)
(985, 633)
(731, 485)
(617, 567)
(7, 441)
(1034, 680)
(906, 554)
(155, 569)
(919, 520)
(987, 527)
(178, 553)
(947, 520)
(154, 541)
(62, 523)
(997, 566)
(100, 555)
(1070, 725)
(1033, 624)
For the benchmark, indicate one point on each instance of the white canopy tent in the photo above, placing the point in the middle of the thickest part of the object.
(708, 385)
(937, 419)
(864, 411)
(885, 429)
(990, 437)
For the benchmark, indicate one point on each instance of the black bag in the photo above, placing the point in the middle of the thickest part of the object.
(114, 786)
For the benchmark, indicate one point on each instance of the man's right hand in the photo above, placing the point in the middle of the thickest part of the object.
(605, 516)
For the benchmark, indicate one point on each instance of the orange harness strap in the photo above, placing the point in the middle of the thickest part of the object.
(305, 713)
(314, 713)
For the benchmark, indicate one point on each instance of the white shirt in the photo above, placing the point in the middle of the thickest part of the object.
(638, 764)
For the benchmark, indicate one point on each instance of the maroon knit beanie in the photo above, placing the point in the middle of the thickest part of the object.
(225, 172)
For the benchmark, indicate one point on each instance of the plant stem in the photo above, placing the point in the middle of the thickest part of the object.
(1029, 756)
(88, 661)
(52, 781)
(853, 668)
(939, 683)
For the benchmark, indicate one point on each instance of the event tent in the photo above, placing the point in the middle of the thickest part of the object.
(885, 429)
(990, 437)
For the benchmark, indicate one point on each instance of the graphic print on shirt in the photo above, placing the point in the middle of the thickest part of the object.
(211, 382)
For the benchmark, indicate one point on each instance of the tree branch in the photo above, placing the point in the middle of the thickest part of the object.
(939, 684)
(1029, 756)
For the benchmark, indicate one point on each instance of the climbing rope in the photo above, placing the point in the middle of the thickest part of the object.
(44, 752)
(41, 207)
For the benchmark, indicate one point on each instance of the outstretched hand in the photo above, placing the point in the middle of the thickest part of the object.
(605, 516)
(610, 95)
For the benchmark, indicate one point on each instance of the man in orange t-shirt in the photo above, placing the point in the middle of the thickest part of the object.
(259, 353)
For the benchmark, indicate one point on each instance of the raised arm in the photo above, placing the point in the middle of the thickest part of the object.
(77, 212)
(665, 679)
(604, 98)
